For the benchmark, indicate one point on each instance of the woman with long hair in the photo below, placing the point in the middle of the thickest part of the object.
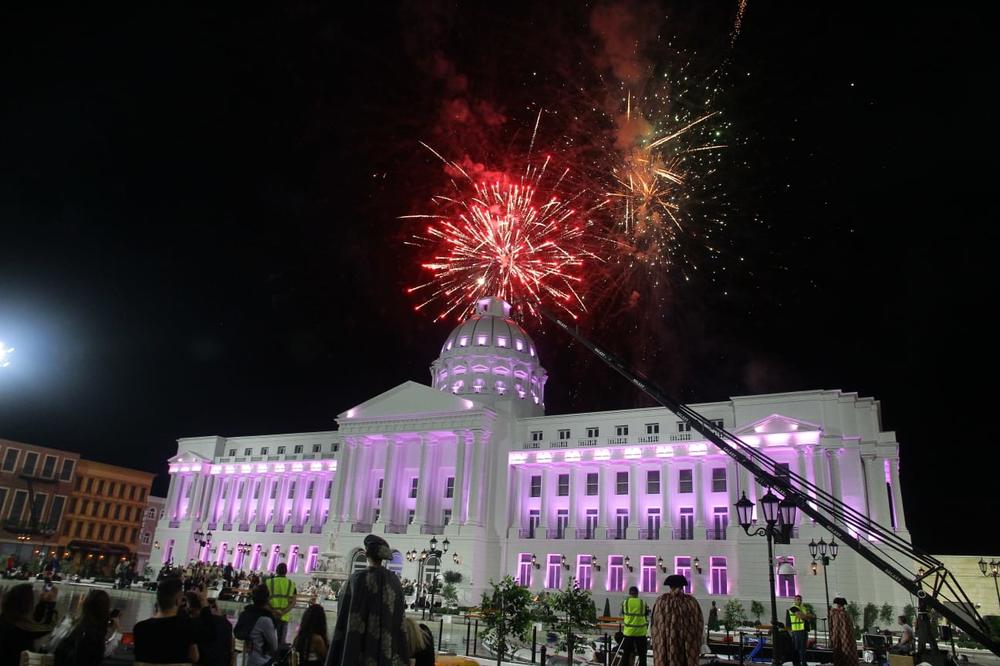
(311, 641)
(94, 636)
(421, 643)
(19, 627)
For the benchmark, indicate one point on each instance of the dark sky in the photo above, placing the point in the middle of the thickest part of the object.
(200, 235)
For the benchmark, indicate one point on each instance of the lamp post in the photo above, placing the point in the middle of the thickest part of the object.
(422, 557)
(771, 506)
(826, 553)
(203, 539)
(991, 569)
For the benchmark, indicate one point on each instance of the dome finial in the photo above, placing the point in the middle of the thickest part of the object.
(491, 305)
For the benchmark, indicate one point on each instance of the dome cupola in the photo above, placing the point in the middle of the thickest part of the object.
(490, 356)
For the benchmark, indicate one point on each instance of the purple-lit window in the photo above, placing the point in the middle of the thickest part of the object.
(168, 550)
(592, 483)
(718, 479)
(519, 345)
(274, 489)
(255, 560)
(591, 522)
(376, 514)
(687, 523)
(291, 490)
(378, 489)
(329, 489)
(653, 523)
(501, 342)
(534, 517)
(481, 340)
(720, 516)
(553, 572)
(685, 481)
(449, 487)
(621, 523)
(413, 487)
(463, 341)
(621, 483)
(653, 482)
(720, 584)
(786, 582)
(562, 520)
(616, 573)
(563, 490)
(524, 570)
(256, 489)
(682, 567)
(310, 489)
(647, 574)
(536, 486)
(584, 569)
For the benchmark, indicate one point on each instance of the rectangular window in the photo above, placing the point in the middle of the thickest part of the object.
(592, 483)
(553, 572)
(653, 482)
(413, 487)
(132, 533)
(232, 453)
(536, 486)
(786, 582)
(17, 506)
(30, 462)
(121, 491)
(536, 435)
(563, 490)
(682, 567)
(591, 523)
(90, 530)
(718, 479)
(562, 520)
(90, 485)
(10, 460)
(310, 489)
(524, 569)
(446, 518)
(616, 573)
(652, 428)
(263, 450)
(102, 532)
(683, 426)
(593, 432)
(449, 487)
(720, 583)
(246, 452)
(107, 510)
(621, 431)
(378, 489)
(686, 531)
(100, 487)
(71, 509)
(584, 568)
(49, 468)
(621, 483)
(317, 448)
(534, 517)
(298, 448)
(328, 490)
(118, 511)
(291, 489)
(564, 434)
(621, 523)
(3, 499)
(146, 538)
(67, 470)
(410, 515)
(281, 450)
(720, 517)
(653, 523)
(685, 481)
(717, 423)
(647, 574)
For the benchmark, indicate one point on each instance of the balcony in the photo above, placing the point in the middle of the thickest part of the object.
(680, 437)
(715, 535)
(278, 528)
(618, 440)
(615, 534)
(585, 532)
(395, 529)
(297, 529)
(649, 534)
(227, 527)
(558, 444)
(530, 445)
(316, 529)
(555, 533)
(526, 533)
(649, 439)
(361, 527)
(683, 535)
(588, 441)
(261, 527)
(432, 529)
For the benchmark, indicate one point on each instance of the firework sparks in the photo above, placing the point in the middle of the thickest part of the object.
(511, 238)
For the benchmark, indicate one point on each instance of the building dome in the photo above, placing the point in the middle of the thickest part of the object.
(491, 355)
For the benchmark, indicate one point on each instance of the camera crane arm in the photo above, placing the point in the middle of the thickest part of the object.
(840, 518)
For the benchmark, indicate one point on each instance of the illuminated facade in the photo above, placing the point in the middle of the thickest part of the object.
(613, 499)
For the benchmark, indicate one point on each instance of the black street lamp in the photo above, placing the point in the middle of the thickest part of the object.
(991, 569)
(775, 511)
(422, 557)
(826, 553)
(203, 538)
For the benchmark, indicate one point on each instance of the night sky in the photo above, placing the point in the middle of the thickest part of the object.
(200, 228)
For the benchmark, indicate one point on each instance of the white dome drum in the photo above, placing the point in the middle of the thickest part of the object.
(491, 355)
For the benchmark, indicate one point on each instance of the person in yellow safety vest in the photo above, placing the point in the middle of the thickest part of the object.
(634, 614)
(283, 594)
(798, 626)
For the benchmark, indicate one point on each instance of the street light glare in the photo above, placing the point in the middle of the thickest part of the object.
(5, 353)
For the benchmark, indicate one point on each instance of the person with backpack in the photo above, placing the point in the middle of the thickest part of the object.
(255, 627)
(94, 636)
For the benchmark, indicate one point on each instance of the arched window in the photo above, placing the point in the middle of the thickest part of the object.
(396, 563)
(431, 568)
(359, 562)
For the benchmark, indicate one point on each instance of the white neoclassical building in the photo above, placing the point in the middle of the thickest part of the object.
(613, 499)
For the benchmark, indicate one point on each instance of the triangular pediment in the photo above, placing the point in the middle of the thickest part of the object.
(189, 457)
(776, 423)
(408, 399)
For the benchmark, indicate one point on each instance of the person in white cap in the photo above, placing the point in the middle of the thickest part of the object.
(677, 626)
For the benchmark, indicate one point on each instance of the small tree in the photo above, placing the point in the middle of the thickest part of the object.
(885, 615)
(506, 610)
(453, 577)
(854, 612)
(569, 614)
(870, 615)
(756, 609)
(909, 612)
(734, 615)
(450, 593)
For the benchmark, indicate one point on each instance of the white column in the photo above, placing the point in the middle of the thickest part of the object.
(732, 470)
(476, 480)
(573, 507)
(172, 492)
(699, 495)
(389, 491)
(543, 524)
(424, 485)
(897, 494)
(262, 500)
(666, 524)
(820, 476)
(339, 487)
(301, 489)
(514, 498)
(248, 500)
(833, 461)
(800, 459)
(214, 499)
(227, 511)
(458, 502)
(360, 492)
(634, 486)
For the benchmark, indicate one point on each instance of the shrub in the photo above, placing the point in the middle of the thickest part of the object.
(854, 612)
(756, 609)
(870, 616)
(909, 612)
(885, 615)
(734, 615)
(452, 577)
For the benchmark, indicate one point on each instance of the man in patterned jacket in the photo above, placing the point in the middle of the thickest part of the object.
(677, 626)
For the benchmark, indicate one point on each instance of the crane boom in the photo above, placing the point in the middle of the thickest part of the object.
(881, 546)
